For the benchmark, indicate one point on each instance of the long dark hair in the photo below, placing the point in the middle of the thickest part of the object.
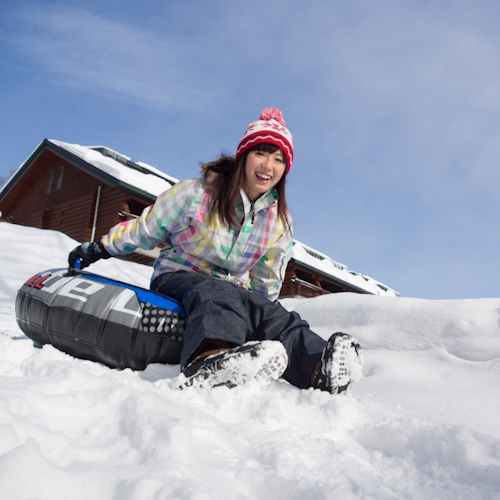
(225, 175)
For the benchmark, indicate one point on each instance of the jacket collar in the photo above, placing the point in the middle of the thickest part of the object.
(268, 199)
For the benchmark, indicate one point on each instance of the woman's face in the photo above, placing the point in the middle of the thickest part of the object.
(262, 172)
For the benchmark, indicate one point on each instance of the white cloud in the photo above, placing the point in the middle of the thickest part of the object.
(90, 51)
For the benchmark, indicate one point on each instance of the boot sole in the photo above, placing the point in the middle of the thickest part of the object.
(344, 363)
(262, 362)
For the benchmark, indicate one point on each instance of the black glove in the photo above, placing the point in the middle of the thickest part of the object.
(88, 253)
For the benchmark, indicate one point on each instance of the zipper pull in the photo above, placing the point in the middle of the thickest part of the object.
(252, 208)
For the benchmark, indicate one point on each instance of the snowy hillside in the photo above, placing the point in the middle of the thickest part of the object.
(421, 424)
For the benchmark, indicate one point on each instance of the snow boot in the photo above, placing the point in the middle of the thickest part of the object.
(263, 362)
(341, 364)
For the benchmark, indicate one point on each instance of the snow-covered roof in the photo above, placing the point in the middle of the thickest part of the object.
(323, 264)
(136, 174)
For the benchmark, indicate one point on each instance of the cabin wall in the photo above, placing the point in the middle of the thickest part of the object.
(50, 181)
(53, 194)
(300, 282)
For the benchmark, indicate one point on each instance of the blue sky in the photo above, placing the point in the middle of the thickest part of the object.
(394, 107)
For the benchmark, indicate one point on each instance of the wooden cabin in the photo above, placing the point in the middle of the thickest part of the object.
(69, 191)
(83, 191)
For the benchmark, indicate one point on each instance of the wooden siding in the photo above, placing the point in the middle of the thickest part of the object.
(303, 283)
(38, 188)
(53, 194)
(70, 217)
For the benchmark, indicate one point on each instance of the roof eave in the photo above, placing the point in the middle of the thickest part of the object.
(329, 277)
(21, 170)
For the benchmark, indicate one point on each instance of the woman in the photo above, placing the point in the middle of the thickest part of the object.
(228, 239)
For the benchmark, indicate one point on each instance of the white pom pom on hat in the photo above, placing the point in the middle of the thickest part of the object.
(272, 114)
(270, 128)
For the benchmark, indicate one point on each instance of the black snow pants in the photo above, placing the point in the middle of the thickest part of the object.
(218, 309)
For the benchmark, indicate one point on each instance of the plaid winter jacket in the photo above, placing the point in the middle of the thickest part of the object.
(254, 256)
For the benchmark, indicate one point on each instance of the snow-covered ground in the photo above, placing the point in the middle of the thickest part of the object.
(424, 422)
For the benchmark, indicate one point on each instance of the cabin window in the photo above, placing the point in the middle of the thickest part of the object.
(49, 185)
(135, 207)
(60, 178)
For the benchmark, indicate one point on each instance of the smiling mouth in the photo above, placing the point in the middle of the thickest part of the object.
(263, 177)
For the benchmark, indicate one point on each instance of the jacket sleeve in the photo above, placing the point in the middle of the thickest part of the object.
(170, 213)
(267, 276)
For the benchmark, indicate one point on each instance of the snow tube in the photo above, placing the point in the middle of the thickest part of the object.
(97, 318)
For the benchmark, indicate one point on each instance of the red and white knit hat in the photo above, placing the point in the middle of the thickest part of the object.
(270, 128)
